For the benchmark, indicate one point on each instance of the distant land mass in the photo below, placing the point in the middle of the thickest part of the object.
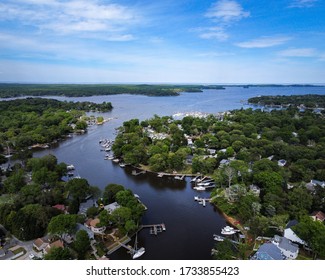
(8, 90)
(307, 100)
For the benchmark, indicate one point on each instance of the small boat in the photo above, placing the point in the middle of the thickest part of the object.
(217, 238)
(195, 178)
(196, 198)
(116, 160)
(160, 175)
(199, 188)
(122, 164)
(70, 167)
(203, 202)
(227, 230)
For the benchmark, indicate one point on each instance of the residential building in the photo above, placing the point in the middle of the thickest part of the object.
(268, 251)
(318, 216)
(291, 235)
(288, 249)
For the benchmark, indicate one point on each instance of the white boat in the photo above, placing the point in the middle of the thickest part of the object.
(70, 167)
(138, 253)
(217, 238)
(203, 202)
(195, 178)
(196, 198)
(116, 160)
(199, 188)
(122, 165)
(227, 230)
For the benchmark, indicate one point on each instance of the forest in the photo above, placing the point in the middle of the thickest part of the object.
(26, 122)
(278, 153)
(77, 90)
(308, 100)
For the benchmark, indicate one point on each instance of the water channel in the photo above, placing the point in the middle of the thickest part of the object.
(190, 226)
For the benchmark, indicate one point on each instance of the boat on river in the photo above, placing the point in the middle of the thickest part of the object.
(137, 253)
(227, 230)
(200, 188)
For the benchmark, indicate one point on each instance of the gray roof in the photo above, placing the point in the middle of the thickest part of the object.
(89, 232)
(268, 251)
(285, 244)
(291, 223)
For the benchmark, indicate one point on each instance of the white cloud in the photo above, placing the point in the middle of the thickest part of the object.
(73, 17)
(213, 33)
(264, 42)
(227, 11)
(215, 54)
(298, 52)
(302, 3)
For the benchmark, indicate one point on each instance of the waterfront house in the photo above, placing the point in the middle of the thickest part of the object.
(288, 249)
(318, 183)
(318, 216)
(112, 207)
(92, 224)
(291, 235)
(268, 251)
(86, 229)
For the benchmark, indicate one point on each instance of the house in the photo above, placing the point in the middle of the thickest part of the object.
(61, 207)
(268, 251)
(55, 244)
(288, 249)
(224, 162)
(318, 216)
(40, 244)
(317, 183)
(92, 224)
(212, 151)
(291, 235)
(189, 159)
(89, 232)
(111, 207)
(282, 162)
(255, 190)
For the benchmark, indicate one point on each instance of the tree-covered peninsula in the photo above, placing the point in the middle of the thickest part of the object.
(77, 90)
(38, 121)
(268, 167)
(303, 101)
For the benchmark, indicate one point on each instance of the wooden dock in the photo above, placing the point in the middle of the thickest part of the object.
(154, 229)
(201, 200)
(136, 173)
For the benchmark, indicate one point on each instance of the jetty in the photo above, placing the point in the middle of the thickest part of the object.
(155, 228)
(202, 201)
(179, 177)
(136, 173)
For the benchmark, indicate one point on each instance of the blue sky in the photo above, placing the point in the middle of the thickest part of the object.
(166, 41)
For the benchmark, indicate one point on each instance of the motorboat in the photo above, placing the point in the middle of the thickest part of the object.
(227, 230)
(200, 188)
(218, 238)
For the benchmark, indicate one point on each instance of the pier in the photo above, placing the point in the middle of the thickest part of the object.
(136, 173)
(202, 201)
(154, 229)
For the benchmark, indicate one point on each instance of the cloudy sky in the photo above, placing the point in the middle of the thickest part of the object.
(165, 41)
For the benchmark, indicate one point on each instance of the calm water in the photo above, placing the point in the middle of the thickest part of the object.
(190, 226)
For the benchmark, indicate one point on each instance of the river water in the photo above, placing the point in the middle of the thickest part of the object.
(189, 226)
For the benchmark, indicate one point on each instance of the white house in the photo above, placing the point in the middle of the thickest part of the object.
(288, 249)
(291, 235)
(111, 207)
